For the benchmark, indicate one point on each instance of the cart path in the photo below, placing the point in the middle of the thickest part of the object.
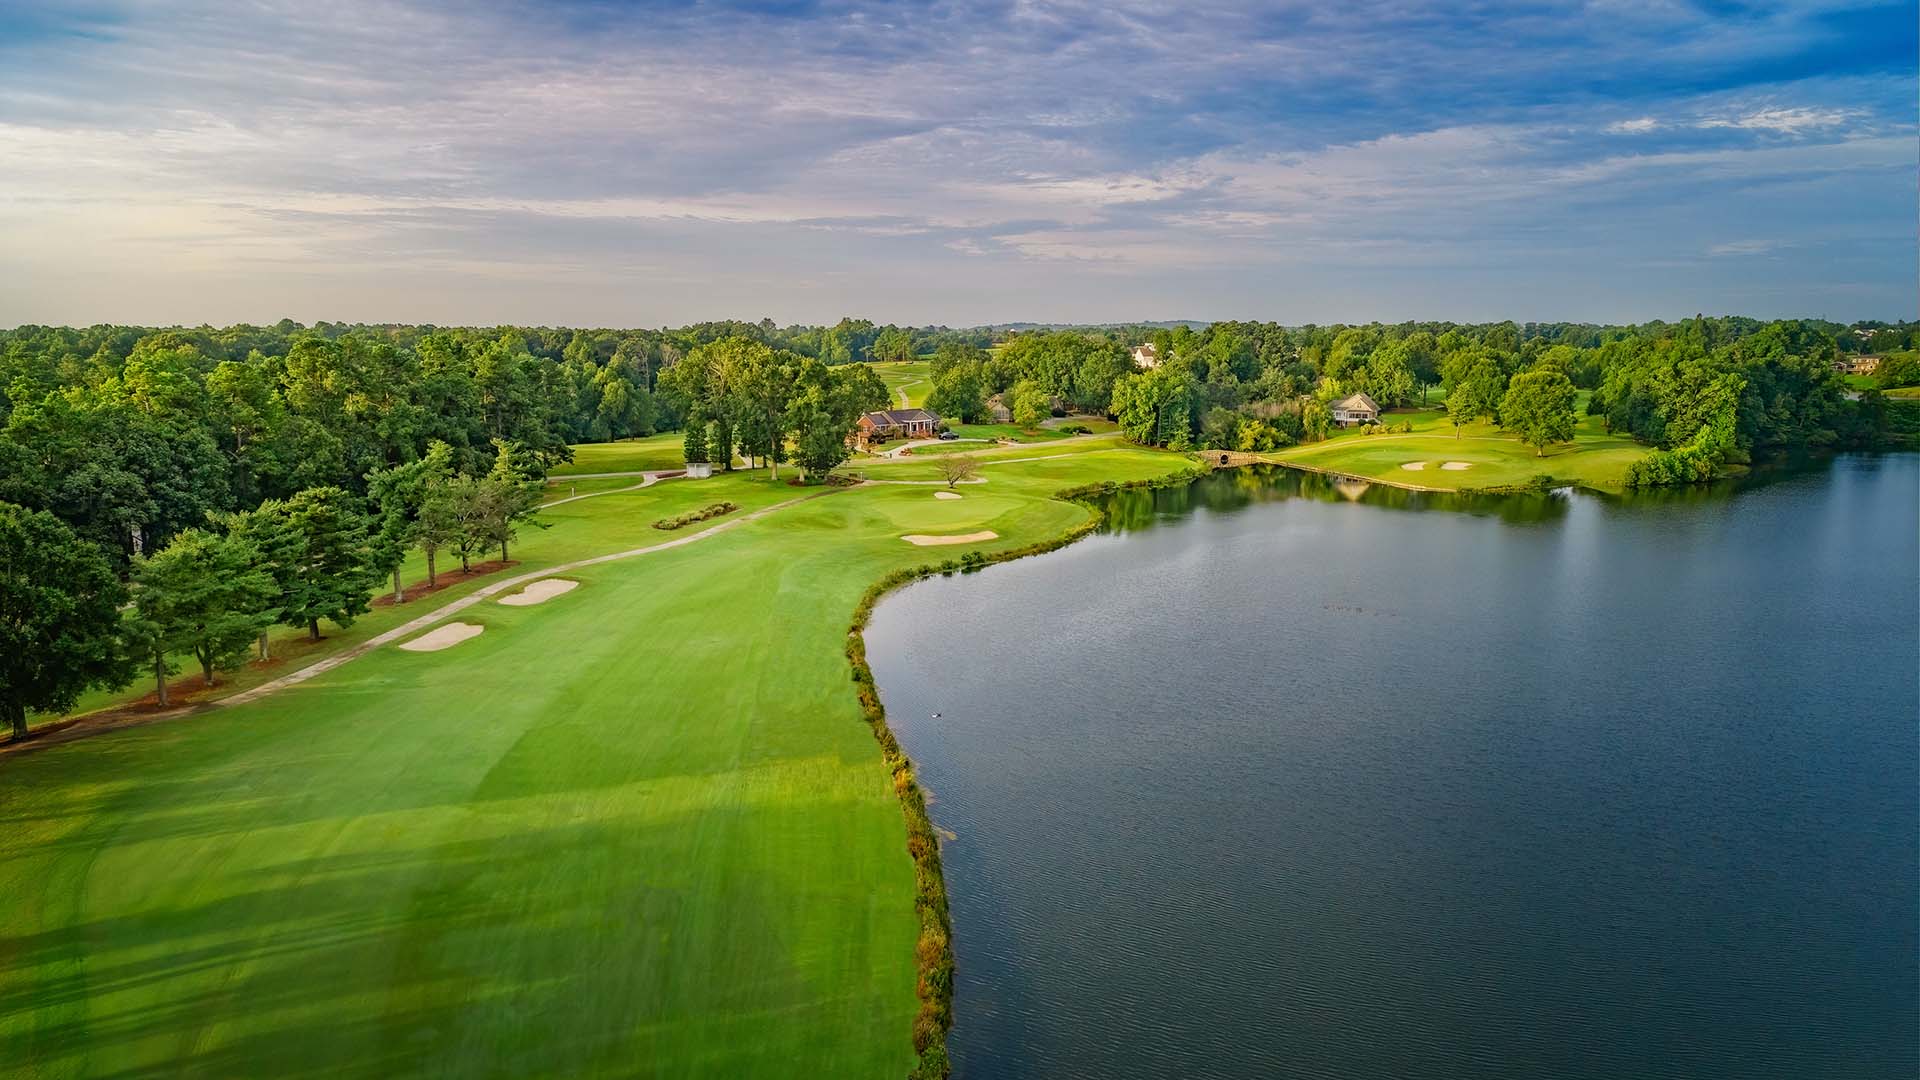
(485, 592)
(113, 719)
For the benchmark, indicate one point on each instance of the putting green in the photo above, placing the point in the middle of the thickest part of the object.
(1482, 455)
(641, 831)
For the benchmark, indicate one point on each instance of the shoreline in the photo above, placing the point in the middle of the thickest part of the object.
(933, 951)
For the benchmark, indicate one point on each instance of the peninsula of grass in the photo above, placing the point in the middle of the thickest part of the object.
(645, 830)
(1493, 458)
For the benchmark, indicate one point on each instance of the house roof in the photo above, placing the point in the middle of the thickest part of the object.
(1358, 402)
(900, 417)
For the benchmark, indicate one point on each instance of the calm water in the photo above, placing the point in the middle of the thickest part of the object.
(1282, 778)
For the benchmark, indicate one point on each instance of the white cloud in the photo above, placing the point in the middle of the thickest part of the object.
(1795, 121)
(1637, 126)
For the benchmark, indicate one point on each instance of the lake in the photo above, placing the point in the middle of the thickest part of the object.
(1282, 776)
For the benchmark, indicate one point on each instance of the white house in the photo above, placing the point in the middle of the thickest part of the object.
(1358, 409)
(1146, 356)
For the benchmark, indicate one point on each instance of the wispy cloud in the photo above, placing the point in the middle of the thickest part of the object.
(941, 162)
(1786, 121)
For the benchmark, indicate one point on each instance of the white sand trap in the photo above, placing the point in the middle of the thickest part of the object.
(1414, 466)
(443, 637)
(922, 540)
(1457, 466)
(946, 494)
(540, 592)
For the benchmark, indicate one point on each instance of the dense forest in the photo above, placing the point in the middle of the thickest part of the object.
(179, 490)
(129, 435)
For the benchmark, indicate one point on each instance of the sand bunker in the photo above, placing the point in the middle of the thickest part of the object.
(443, 637)
(1456, 466)
(540, 592)
(922, 540)
(946, 494)
(1414, 466)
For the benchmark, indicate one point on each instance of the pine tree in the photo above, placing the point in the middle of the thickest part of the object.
(205, 594)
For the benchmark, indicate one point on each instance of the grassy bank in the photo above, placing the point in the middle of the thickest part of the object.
(638, 827)
(1492, 458)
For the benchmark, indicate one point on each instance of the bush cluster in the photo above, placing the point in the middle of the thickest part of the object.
(689, 518)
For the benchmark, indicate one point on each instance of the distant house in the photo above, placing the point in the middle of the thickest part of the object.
(997, 411)
(1857, 365)
(1358, 409)
(895, 424)
(1146, 356)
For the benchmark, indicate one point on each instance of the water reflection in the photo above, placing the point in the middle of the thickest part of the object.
(1229, 490)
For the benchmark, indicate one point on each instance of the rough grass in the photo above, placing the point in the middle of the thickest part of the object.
(641, 832)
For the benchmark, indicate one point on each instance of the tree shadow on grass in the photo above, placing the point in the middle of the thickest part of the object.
(534, 952)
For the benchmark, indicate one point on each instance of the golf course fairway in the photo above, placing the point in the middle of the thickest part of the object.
(638, 829)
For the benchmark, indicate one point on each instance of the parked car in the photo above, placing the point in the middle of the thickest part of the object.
(947, 435)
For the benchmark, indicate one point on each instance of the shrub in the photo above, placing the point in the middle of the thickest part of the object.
(1076, 429)
(689, 518)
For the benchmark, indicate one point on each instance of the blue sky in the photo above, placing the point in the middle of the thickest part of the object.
(657, 163)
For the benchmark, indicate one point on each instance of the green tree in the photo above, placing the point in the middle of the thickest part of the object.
(1539, 406)
(59, 617)
(206, 594)
(1031, 405)
(893, 343)
(439, 523)
(693, 448)
(1154, 407)
(399, 496)
(510, 495)
(959, 395)
(333, 570)
(1463, 405)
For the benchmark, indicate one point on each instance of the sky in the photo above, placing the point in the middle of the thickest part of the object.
(647, 164)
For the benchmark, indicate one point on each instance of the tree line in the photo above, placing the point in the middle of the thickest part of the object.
(1704, 392)
(216, 481)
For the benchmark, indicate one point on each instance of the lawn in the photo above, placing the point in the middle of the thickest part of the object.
(639, 829)
(911, 378)
(1005, 431)
(627, 455)
(1494, 458)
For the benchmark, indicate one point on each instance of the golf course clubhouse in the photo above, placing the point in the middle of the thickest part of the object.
(895, 424)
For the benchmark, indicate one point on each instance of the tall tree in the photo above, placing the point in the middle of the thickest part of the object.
(59, 617)
(206, 594)
(399, 496)
(510, 494)
(1539, 405)
(1463, 405)
(333, 571)
(1030, 404)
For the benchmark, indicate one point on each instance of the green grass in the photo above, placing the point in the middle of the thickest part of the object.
(915, 377)
(661, 451)
(567, 486)
(1005, 431)
(638, 829)
(1495, 458)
